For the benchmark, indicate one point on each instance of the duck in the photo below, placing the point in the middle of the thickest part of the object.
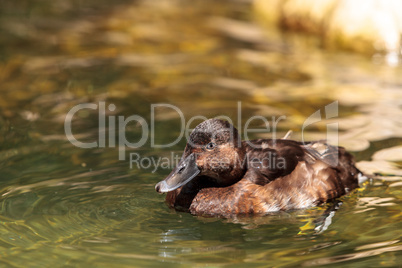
(219, 175)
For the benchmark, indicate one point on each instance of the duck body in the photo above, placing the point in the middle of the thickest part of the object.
(219, 175)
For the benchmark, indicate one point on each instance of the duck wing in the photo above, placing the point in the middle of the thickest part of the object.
(271, 159)
(338, 159)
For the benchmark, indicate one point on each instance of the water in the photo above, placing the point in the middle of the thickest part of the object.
(62, 205)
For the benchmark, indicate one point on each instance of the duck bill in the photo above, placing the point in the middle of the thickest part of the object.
(185, 171)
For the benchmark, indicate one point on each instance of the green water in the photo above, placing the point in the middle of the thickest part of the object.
(66, 206)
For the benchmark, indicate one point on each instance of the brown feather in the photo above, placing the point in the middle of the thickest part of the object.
(263, 176)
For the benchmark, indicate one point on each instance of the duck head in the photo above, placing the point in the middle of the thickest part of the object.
(214, 150)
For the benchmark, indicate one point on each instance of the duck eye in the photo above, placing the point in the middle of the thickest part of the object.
(210, 146)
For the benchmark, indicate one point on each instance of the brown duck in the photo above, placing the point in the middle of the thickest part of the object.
(219, 175)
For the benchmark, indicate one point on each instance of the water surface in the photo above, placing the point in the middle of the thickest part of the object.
(62, 205)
